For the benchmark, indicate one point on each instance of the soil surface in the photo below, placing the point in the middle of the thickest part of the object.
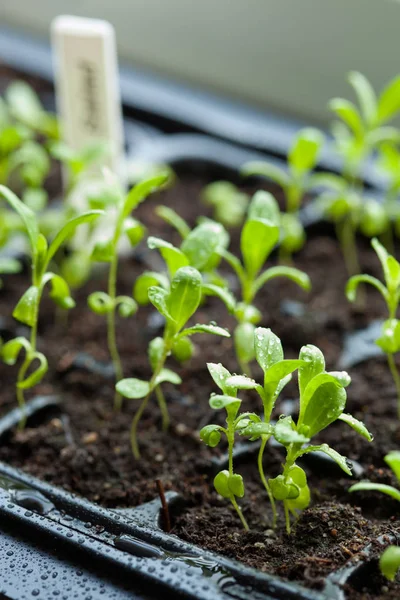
(85, 448)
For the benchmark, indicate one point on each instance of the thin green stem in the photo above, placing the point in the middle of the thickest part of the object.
(396, 378)
(287, 516)
(264, 480)
(111, 330)
(239, 512)
(244, 367)
(24, 367)
(163, 407)
(346, 235)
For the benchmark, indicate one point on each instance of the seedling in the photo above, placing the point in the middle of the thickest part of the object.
(389, 562)
(227, 483)
(390, 291)
(27, 309)
(322, 402)
(176, 300)
(228, 202)
(78, 162)
(361, 129)
(389, 163)
(259, 236)
(277, 373)
(106, 251)
(296, 181)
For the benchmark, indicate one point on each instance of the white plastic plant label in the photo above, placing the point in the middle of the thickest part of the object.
(87, 86)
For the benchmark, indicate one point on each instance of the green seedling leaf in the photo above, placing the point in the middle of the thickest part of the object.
(295, 275)
(285, 432)
(144, 282)
(27, 215)
(203, 245)
(223, 294)
(172, 218)
(268, 348)
(183, 349)
(126, 306)
(156, 352)
(389, 562)
(169, 376)
(220, 376)
(11, 349)
(35, 198)
(302, 501)
(185, 295)
(210, 328)
(354, 282)
(59, 292)
(211, 435)
(321, 404)
(133, 389)
(390, 338)
(263, 206)
(174, 258)
(134, 231)
(100, 303)
(143, 189)
(37, 374)
(69, 229)
(230, 403)
(292, 232)
(244, 342)
(393, 460)
(366, 486)
(247, 313)
(242, 382)
(357, 425)
(374, 218)
(257, 240)
(159, 298)
(304, 152)
(26, 309)
(338, 458)
(389, 101)
(314, 363)
(348, 112)
(255, 430)
(103, 251)
(267, 170)
(221, 484)
(365, 95)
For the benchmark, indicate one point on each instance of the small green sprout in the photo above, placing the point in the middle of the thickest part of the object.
(227, 484)
(176, 300)
(393, 461)
(259, 236)
(228, 202)
(389, 562)
(27, 309)
(296, 181)
(390, 339)
(25, 107)
(322, 402)
(106, 251)
(78, 162)
(361, 129)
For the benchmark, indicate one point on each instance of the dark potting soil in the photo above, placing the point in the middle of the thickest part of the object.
(85, 447)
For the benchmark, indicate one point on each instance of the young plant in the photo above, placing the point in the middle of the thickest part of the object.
(390, 291)
(389, 562)
(277, 374)
(228, 202)
(361, 129)
(106, 303)
(259, 236)
(27, 309)
(389, 163)
(227, 483)
(176, 300)
(322, 402)
(296, 181)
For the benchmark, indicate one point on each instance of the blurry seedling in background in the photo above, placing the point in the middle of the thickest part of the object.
(176, 298)
(259, 236)
(229, 204)
(390, 338)
(27, 309)
(106, 250)
(363, 128)
(296, 181)
(9, 266)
